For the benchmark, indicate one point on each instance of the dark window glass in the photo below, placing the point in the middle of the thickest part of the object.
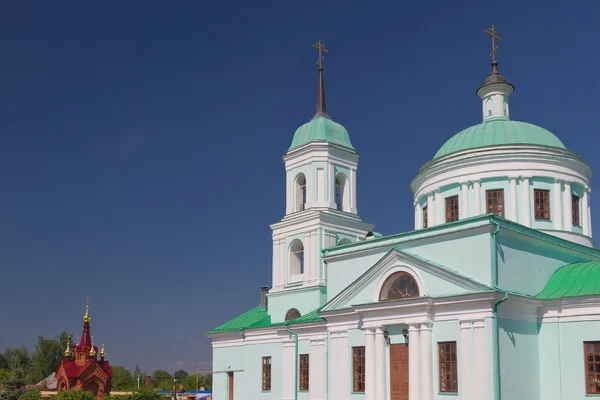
(495, 202)
(399, 285)
(575, 207)
(592, 367)
(424, 217)
(303, 371)
(266, 373)
(542, 204)
(452, 209)
(358, 369)
(448, 367)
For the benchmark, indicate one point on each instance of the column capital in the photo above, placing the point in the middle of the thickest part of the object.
(557, 180)
(466, 324)
(465, 183)
(525, 177)
(379, 330)
(425, 326)
(478, 324)
(474, 181)
(414, 327)
(513, 177)
(567, 182)
(416, 202)
(587, 189)
(369, 331)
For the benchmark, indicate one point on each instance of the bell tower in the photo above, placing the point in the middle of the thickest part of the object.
(320, 212)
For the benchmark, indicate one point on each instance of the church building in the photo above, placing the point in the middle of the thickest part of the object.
(493, 295)
(81, 368)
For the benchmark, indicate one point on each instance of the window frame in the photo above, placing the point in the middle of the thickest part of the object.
(539, 214)
(595, 364)
(424, 222)
(291, 313)
(448, 363)
(449, 203)
(358, 369)
(266, 374)
(575, 209)
(495, 205)
(392, 279)
(303, 372)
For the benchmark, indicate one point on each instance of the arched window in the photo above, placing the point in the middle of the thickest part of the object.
(340, 187)
(292, 314)
(489, 104)
(296, 258)
(399, 285)
(300, 194)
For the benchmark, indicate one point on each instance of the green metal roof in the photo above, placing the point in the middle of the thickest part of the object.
(321, 129)
(257, 318)
(498, 132)
(572, 280)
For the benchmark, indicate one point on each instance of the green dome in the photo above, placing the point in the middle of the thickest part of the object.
(321, 129)
(577, 279)
(499, 132)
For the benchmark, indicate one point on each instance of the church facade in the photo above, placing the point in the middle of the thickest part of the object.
(493, 295)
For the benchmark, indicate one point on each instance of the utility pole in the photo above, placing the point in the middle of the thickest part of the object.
(138, 379)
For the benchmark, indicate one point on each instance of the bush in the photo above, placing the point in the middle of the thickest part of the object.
(145, 394)
(74, 395)
(31, 394)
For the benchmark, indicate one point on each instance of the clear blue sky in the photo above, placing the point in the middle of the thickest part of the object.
(141, 145)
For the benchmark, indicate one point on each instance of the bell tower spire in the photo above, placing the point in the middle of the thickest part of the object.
(321, 105)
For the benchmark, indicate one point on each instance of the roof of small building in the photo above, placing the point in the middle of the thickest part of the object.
(572, 280)
(257, 318)
(500, 131)
(321, 128)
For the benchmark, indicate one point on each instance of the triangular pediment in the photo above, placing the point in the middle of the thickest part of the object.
(434, 280)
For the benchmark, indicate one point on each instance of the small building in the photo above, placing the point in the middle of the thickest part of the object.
(81, 368)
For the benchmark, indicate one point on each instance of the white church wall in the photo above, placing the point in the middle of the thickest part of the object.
(246, 362)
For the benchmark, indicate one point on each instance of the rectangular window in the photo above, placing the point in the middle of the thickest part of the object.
(448, 367)
(542, 204)
(424, 217)
(452, 209)
(592, 367)
(266, 373)
(575, 206)
(303, 371)
(358, 369)
(494, 200)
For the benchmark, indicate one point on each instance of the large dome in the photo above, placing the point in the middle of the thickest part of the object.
(321, 129)
(499, 132)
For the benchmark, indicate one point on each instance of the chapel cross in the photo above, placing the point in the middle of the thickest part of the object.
(321, 47)
(494, 34)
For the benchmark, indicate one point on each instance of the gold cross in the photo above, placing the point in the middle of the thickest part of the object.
(494, 34)
(321, 47)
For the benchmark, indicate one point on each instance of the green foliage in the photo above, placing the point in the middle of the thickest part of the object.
(142, 374)
(180, 375)
(162, 380)
(31, 394)
(17, 358)
(144, 394)
(74, 395)
(122, 378)
(47, 356)
(13, 385)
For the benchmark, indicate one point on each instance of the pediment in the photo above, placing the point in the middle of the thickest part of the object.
(434, 280)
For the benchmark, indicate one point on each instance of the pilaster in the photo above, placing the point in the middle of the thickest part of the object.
(426, 362)
(479, 362)
(380, 366)
(464, 201)
(430, 210)
(525, 202)
(567, 207)
(370, 364)
(477, 198)
(557, 208)
(585, 224)
(289, 364)
(414, 368)
(440, 215)
(465, 377)
(514, 205)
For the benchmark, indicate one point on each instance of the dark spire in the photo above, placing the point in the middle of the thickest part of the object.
(321, 106)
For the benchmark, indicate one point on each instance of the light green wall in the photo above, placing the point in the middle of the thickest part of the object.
(248, 382)
(449, 253)
(562, 365)
(525, 267)
(304, 300)
(519, 359)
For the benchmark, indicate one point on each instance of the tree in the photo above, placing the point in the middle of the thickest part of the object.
(162, 379)
(139, 374)
(13, 385)
(144, 394)
(74, 395)
(180, 375)
(122, 378)
(47, 356)
(17, 358)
